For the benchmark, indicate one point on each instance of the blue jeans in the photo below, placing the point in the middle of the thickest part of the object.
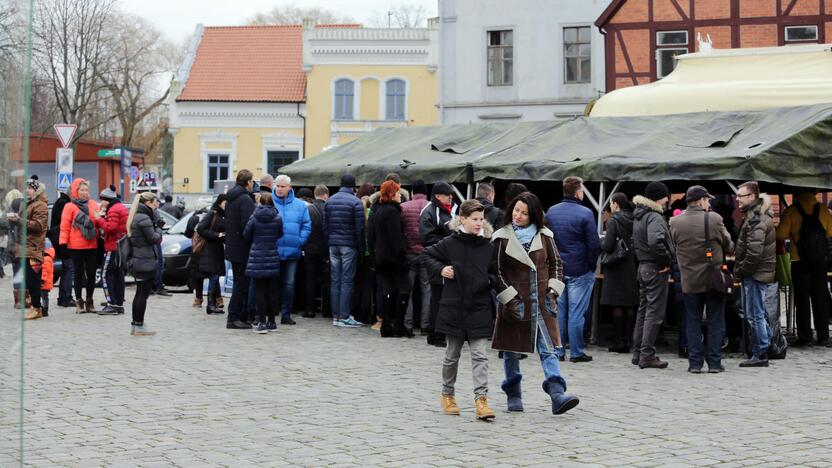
(572, 307)
(214, 285)
(694, 305)
(67, 275)
(288, 268)
(755, 312)
(545, 349)
(342, 263)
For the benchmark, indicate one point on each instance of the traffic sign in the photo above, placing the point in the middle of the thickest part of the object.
(134, 172)
(109, 153)
(64, 181)
(65, 133)
(63, 160)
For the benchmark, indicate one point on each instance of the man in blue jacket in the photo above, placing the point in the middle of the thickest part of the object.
(297, 225)
(344, 230)
(576, 236)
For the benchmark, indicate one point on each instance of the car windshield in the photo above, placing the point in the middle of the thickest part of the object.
(179, 227)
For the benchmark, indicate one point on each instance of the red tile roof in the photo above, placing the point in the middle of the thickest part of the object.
(248, 63)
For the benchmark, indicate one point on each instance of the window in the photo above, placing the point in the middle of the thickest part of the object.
(344, 96)
(395, 99)
(801, 33)
(500, 58)
(669, 44)
(217, 168)
(577, 53)
(275, 160)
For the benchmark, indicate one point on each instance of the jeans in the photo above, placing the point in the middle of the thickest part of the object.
(315, 269)
(572, 307)
(268, 298)
(479, 364)
(653, 291)
(694, 305)
(239, 293)
(417, 270)
(755, 312)
(143, 289)
(67, 276)
(250, 310)
(545, 349)
(342, 264)
(85, 262)
(810, 285)
(113, 280)
(288, 269)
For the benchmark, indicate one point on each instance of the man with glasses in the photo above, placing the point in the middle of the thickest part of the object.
(755, 265)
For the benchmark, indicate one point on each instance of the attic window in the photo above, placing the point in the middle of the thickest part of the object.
(801, 34)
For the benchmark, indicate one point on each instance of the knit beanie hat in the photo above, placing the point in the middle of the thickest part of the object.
(656, 191)
(108, 194)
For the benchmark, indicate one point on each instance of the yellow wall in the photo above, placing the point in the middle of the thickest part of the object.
(187, 162)
(422, 97)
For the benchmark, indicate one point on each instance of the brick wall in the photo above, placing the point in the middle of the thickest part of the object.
(804, 7)
(631, 12)
(758, 35)
(720, 35)
(713, 9)
(663, 10)
(758, 8)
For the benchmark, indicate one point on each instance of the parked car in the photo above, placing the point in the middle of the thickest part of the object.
(176, 248)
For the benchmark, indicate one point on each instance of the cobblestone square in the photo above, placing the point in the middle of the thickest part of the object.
(197, 394)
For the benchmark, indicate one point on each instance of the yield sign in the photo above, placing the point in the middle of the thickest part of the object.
(65, 133)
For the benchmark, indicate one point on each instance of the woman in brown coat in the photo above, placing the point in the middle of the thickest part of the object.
(529, 279)
(37, 218)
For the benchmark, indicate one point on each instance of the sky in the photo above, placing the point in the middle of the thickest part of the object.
(178, 18)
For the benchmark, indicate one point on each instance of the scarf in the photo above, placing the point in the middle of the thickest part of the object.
(525, 234)
(448, 208)
(82, 220)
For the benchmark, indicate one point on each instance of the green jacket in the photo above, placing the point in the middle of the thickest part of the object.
(756, 250)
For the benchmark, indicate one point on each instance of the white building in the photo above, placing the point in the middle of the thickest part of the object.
(521, 60)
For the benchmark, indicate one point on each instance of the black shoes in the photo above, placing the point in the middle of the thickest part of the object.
(309, 314)
(162, 292)
(238, 325)
(755, 361)
(695, 370)
(716, 370)
(581, 358)
(287, 321)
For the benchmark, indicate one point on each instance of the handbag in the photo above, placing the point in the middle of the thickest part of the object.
(719, 279)
(198, 241)
(618, 254)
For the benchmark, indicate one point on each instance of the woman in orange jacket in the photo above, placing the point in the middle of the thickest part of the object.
(80, 222)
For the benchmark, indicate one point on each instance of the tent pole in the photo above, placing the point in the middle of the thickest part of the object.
(733, 187)
(458, 193)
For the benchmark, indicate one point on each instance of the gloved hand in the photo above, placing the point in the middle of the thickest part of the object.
(159, 222)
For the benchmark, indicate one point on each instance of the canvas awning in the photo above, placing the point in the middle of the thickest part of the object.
(730, 80)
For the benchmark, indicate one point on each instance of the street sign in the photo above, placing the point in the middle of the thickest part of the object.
(63, 160)
(109, 153)
(64, 181)
(134, 172)
(126, 162)
(65, 133)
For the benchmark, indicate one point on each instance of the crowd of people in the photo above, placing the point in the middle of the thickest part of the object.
(520, 278)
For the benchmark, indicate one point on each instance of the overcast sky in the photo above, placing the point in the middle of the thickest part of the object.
(177, 18)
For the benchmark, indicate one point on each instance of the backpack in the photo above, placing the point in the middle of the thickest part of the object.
(812, 246)
(124, 250)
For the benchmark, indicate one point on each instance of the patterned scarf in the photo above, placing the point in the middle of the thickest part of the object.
(82, 220)
(525, 235)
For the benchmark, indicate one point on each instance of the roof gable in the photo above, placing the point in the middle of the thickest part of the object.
(607, 15)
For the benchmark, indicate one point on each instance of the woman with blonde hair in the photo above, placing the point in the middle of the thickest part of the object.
(144, 230)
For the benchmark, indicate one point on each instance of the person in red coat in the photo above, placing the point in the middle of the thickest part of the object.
(114, 225)
(80, 223)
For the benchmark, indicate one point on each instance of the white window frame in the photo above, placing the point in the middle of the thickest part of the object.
(681, 48)
(205, 148)
(659, 43)
(502, 59)
(404, 98)
(584, 80)
(801, 41)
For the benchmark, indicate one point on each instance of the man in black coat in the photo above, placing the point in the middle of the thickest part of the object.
(237, 212)
(316, 251)
(485, 195)
(65, 288)
(433, 227)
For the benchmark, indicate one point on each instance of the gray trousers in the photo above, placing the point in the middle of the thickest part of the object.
(479, 364)
(653, 291)
(418, 271)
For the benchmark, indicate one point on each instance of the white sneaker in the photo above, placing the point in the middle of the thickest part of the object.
(353, 322)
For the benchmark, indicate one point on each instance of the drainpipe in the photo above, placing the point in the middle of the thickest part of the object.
(303, 147)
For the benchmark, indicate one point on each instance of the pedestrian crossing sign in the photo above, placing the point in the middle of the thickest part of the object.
(64, 180)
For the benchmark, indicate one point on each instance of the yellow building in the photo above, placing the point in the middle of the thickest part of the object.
(360, 79)
(238, 103)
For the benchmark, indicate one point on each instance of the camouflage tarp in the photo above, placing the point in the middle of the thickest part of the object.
(792, 146)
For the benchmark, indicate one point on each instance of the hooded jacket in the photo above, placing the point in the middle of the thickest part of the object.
(297, 226)
(651, 234)
(47, 273)
(263, 230)
(70, 235)
(37, 219)
(344, 220)
(756, 255)
(466, 304)
(144, 235)
(237, 212)
(791, 222)
(576, 236)
(114, 225)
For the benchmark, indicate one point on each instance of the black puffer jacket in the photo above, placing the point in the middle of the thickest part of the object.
(386, 236)
(144, 235)
(237, 212)
(211, 261)
(651, 234)
(465, 307)
(55, 224)
(316, 245)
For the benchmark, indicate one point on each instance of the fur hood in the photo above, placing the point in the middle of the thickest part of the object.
(487, 229)
(640, 200)
(764, 206)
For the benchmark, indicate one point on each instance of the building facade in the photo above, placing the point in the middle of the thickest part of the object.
(361, 79)
(524, 60)
(238, 102)
(643, 36)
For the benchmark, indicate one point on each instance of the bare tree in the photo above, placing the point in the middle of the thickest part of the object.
(70, 49)
(291, 14)
(400, 16)
(138, 73)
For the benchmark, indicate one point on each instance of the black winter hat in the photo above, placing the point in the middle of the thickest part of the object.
(419, 187)
(442, 188)
(305, 193)
(348, 180)
(656, 191)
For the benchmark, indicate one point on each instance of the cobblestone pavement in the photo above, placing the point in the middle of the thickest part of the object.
(312, 395)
